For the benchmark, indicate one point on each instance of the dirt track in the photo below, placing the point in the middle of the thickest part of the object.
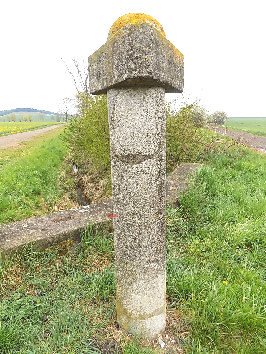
(14, 140)
(253, 141)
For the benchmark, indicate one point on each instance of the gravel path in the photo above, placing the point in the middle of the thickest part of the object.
(254, 141)
(13, 140)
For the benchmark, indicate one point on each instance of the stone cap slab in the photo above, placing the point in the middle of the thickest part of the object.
(136, 53)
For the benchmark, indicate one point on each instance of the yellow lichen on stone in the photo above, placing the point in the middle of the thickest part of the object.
(134, 19)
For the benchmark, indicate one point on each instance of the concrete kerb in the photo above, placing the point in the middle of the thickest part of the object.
(52, 229)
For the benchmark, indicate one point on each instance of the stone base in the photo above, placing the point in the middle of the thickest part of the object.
(148, 328)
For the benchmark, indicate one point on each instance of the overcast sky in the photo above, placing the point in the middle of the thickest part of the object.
(223, 42)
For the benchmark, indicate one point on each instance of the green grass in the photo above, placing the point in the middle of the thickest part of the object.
(56, 304)
(29, 177)
(63, 302)
(255, 126)
(218, 237)
(19, 127)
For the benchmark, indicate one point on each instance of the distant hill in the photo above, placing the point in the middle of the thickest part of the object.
(30, 115)
(33, 110)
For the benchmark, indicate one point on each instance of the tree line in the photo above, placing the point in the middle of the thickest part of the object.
(17, 110)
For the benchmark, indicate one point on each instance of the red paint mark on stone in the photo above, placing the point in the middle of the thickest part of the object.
(111, 215)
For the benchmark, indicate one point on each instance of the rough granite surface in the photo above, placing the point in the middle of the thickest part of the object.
(137, 55)
(138, 160)
(135, 67)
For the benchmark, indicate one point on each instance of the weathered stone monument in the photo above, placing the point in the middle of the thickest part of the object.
(135, 67)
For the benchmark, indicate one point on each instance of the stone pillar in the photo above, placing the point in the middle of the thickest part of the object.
(135, 67)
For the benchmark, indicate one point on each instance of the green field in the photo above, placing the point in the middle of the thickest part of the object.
(255, 126)
(7, 128)
(64, 302)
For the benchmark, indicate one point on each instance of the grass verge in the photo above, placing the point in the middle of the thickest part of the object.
(217, 245)
(29, 177)
(62, 300)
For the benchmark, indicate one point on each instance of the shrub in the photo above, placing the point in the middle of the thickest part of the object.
(187, 141)
(87, 136)
(198, 114)
(183, 136)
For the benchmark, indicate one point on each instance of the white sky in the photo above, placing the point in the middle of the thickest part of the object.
(223, 41)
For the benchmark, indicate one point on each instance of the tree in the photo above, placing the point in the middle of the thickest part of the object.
(13, 118)
(69, 104)
(59, 117)
(40, 117)
(218, 117)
